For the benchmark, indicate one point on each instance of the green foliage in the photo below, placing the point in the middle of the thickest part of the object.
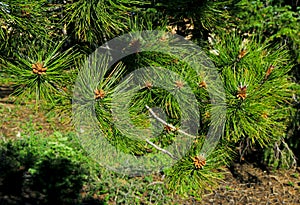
(186, 179)
(138, 190)
(292, 138)
(44, 70)
(52, 168)
(22, 23)
(273, 21)
(259, 117)
(268, 88)
(43, 44)
(94, 21)
(192, 18)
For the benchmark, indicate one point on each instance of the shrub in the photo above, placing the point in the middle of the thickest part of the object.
(49, 170)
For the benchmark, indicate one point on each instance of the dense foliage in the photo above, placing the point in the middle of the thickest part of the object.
(253, 44)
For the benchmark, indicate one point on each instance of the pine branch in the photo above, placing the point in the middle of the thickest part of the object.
(167, 124)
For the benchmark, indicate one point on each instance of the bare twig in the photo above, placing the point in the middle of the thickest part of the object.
(154, 183)
(167, 124)
(161, 149)
(279, 153)
(291, 153)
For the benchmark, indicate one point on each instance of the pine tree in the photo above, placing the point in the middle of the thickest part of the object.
(45, 46)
